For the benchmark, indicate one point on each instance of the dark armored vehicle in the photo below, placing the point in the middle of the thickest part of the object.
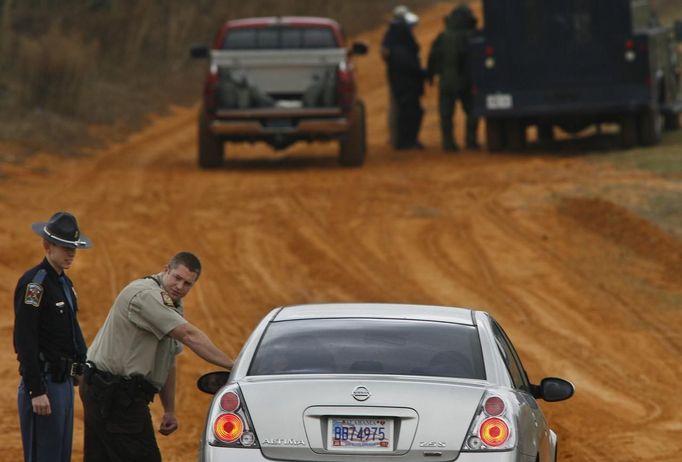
(574, 64)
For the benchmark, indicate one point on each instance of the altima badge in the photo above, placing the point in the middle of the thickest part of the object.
(361, 393)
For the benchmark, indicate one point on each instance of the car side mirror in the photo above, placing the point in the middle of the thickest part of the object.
(213, 381)
(553, 389)
(359, 48)
(199, 51)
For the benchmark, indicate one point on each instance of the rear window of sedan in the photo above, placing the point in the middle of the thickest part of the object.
(274, 38)
(369, 346)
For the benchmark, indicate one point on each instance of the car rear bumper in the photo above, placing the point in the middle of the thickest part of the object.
(216, 454)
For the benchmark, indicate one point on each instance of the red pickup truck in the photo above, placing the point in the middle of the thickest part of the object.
(280, 80)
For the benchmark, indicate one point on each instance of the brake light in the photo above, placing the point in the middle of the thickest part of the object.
(228, 428)
(489, 53)
(492, 427)
(494, 432)
(229, 401)
(211, 89)
(345, 88)
(494, 406)
(229, 423)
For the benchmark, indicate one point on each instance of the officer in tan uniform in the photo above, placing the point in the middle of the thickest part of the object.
(133, 357)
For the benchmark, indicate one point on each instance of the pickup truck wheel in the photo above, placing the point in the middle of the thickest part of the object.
(494, 136)
(353, 147)
(628, 131)
(650, 127)
(210, 146)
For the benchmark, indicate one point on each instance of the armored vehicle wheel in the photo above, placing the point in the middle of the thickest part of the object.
(671, 121)
(628, 131)
(650, 127)
(515, 132)
(494, 136)
(353, 147)
(545, 133)
(210, 146)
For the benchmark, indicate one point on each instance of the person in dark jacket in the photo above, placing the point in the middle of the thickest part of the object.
(400, 51)
(449, 60)
(49, 343)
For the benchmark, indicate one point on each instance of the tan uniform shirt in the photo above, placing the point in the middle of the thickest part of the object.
(134, 338)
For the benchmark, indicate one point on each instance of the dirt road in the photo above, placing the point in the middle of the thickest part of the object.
(587, 290)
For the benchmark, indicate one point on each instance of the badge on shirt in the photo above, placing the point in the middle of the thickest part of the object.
(167, 300)
(34, 294)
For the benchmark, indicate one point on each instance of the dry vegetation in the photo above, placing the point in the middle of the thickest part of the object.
(71, 66)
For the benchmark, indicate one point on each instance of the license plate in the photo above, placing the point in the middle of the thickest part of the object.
(360, 434)
(499, 101)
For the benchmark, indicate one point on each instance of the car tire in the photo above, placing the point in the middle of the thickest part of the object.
(353, 147)
(210, 146)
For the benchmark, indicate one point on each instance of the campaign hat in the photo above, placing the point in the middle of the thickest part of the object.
(62, 229)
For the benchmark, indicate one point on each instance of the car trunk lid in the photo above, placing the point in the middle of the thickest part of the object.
(293, 416)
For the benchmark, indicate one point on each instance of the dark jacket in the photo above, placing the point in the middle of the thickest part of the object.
(45, 327)
(401, 51)
(448, 56)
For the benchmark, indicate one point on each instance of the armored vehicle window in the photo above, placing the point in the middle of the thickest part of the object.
(369, 346)
(273, 38)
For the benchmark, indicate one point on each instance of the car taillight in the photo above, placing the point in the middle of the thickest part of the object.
(228, 428)
(494, 432)
(345, 88)
(229, 420)
(489, 52)
(491, 429)
(229, 401)
(494, 406)
(211, 89)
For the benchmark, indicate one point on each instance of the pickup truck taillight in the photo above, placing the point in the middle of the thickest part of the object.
(345, 88)
(210, 90)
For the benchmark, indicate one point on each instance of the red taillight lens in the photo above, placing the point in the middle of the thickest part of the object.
(228, 428)
(229, 401)
(494, 406)
(210, 90)
(345, 90)
(494, 432)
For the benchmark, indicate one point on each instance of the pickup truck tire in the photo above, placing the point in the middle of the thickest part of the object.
(650, 127)
(494, 136)
(210, 146)
(353, 147)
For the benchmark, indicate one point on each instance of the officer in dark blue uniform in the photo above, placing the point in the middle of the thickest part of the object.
(49, 343)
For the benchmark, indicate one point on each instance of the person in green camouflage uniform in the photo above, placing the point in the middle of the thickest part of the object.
(448, 59)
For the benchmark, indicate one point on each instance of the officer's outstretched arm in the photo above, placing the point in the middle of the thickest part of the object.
(197, 341)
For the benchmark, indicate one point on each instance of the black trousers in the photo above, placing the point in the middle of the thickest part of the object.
(118, 424)
(409, 118)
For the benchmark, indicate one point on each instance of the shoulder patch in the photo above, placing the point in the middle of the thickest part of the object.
(34, 294)
(167, 300)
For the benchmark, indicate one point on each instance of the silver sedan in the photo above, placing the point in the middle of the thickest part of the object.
(380, 383)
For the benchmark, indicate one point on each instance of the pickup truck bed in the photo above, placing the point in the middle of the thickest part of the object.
(280, 95)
